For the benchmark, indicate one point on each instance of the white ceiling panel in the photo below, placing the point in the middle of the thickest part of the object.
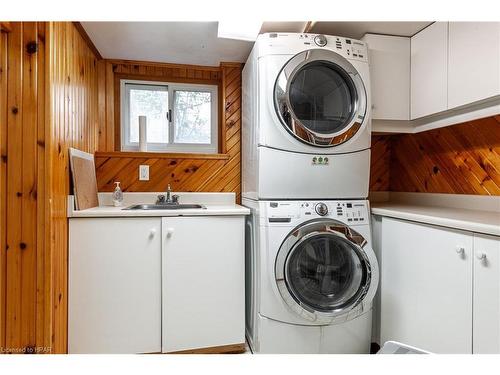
(197, 42)
(173, 42)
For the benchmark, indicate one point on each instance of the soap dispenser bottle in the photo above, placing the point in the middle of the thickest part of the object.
(117, 195)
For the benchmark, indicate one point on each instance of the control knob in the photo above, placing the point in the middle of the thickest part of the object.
(320, 40)
(321, 209)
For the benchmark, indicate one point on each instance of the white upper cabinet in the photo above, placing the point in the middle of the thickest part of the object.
(474, 62)
(429, 61)
(389, 58)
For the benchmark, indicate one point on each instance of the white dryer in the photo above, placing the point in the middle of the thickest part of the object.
(306, 118)
(311, 276)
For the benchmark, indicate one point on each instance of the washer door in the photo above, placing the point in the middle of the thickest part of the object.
(322, 271)
(320, 98)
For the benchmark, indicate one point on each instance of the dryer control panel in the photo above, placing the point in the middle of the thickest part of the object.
(283, 43)
(353, 212)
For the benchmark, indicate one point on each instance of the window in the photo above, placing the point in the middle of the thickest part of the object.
(180, 117)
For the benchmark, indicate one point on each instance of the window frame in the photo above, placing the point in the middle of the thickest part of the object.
(170, 146)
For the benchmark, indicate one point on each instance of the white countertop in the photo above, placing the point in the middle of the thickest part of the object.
(479, 221)
(216, 204)
(210, 210)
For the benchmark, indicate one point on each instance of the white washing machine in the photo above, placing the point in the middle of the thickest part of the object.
(306, 118)
(311, 276)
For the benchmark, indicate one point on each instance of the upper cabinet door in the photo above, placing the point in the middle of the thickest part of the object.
(474, 62)
(429, 51)
(486, 321)
(389, 58)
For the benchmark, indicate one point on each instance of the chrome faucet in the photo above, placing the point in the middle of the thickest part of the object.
(169, 191)
(169, 199)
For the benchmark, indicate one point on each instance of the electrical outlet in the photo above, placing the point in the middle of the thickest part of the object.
(143, 172)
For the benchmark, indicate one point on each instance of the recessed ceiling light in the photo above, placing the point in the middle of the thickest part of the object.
(238, 29)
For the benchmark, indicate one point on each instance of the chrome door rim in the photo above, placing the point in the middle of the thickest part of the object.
(281, 97)
(293, 240)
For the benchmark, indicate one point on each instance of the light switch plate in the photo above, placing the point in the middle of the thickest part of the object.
(143, 172)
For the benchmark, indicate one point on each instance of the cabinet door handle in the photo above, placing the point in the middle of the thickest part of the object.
(170, 232)
(481, 256)
(460, 250)
(152, 233)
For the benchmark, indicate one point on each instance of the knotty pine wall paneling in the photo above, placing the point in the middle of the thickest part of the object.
(380, 162)
(22, 189)
(43, 322)
(458, 159)
(3, 180)
(48, 102)
(73, 122)
(188, 172)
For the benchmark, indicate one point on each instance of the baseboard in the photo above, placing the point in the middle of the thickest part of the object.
(223, 349)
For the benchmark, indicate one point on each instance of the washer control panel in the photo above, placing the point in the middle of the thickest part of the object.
(348, 211)
(356, 211)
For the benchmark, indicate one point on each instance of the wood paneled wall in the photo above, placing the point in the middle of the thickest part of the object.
(23, 181)
(459, 159)
(184, 172)
(73, 122)
(56, 96)
(48, 102)
(3, 180)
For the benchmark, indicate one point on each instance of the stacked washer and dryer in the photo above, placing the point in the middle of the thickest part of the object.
(311, 274)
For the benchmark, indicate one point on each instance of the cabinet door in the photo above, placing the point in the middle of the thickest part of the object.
(203, 282)
(486, 294)
(474, 62)
(389, 58)
(429, 60)
(426, 286)
(114, 285)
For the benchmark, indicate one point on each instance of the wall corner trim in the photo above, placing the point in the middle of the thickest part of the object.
(86, 37)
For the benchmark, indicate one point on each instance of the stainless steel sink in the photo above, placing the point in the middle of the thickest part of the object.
(179, 206)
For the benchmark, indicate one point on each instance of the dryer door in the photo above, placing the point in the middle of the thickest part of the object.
(320, 98)
(322, 271)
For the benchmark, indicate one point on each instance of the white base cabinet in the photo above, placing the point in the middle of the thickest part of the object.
(152, 284)
(440, 288)
(203, 282)
(114, 285)
(486, 323)
(426, 287)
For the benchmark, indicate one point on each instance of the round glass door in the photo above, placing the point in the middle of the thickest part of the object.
(322, 270)
(325, 273)
(320, 98)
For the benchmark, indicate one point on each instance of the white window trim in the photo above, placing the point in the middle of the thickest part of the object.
(171, 87)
